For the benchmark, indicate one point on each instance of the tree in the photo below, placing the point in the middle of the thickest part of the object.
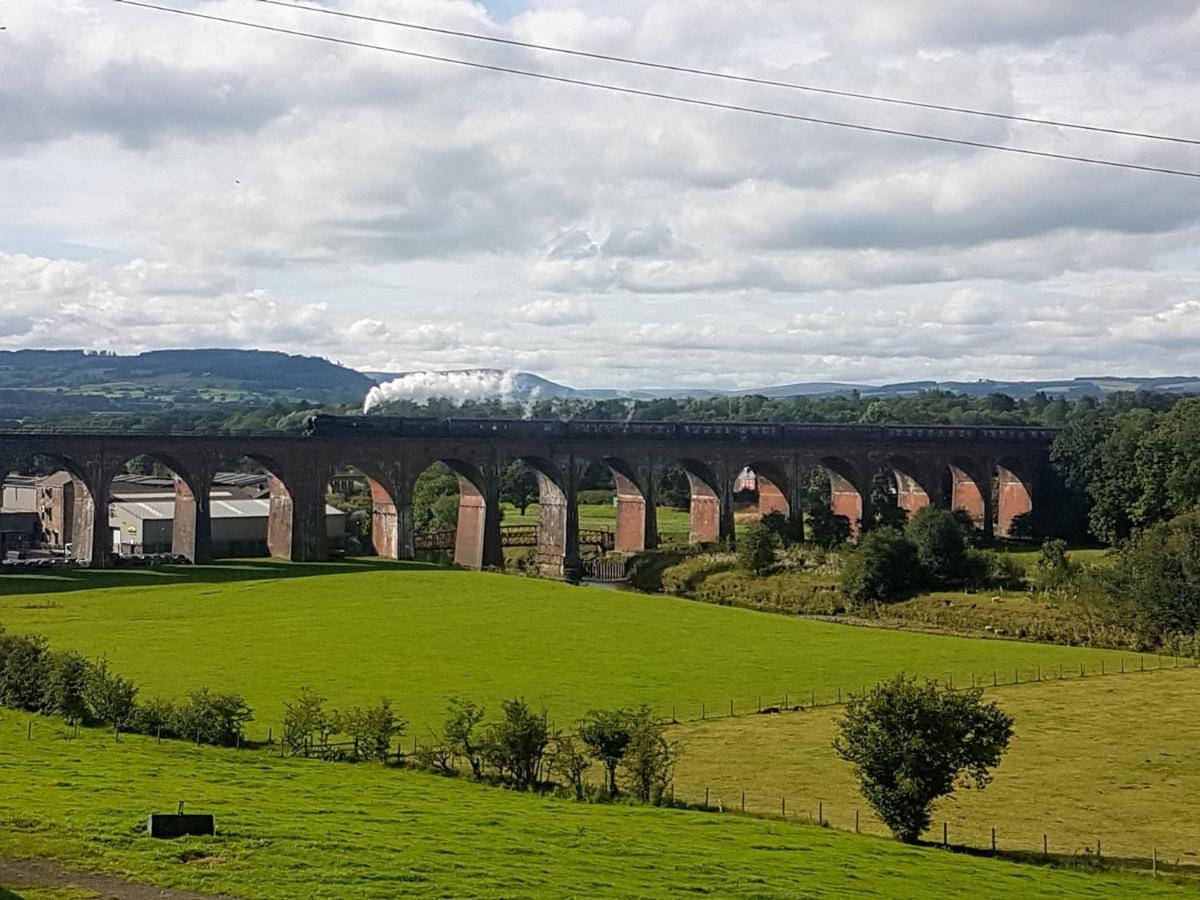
(911, 743)
(607, 733)
(66, 686)
(882, 568)
(648, 763)
(1155, 578)
(1054, 569)
(372, 728)
(570, 760)
(940, 544)
(304, 719)
(516, 745)
(826, 529)
(109, 697)
(462, 738)
(519, 486)
(24, 662)
(757, 547)
(435, 499)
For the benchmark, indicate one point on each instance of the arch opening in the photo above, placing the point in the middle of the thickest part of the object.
(361, 513)
(153, 510)
(1012, 493)
(250, 512)
(49, 511)
(845, 499)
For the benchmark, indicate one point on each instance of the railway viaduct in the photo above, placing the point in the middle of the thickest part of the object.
(990, 472)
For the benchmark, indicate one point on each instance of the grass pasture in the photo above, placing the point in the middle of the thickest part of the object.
(291, 828)
(1102, 758)
(670, 521)
(418, 635)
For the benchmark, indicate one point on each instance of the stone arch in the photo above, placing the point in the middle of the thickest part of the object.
(967, 485)
(637, 517)
(710, 508)
(387, 534)
(74, 508)
(1013, 492)
(477, 541)
(847, 497)
(191, 524)
(289, 536)
(558, 515)
(915, 489)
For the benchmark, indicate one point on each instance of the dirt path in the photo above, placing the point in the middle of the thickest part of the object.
(41, 873)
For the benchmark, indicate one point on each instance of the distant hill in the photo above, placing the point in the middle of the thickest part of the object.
(529, 386)
(183, 375)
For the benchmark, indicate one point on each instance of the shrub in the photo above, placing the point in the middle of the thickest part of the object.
(785, 531)
(153, 716)
(304, 720)
(516, 745)
(24, 661)
(570, 760)
(596, 498)
(606, 734)
(211, 718)
(940, 544)
(66, 686)
(110, 697)
(372, 728)
(1155, 578)
(757, 549)
(882, 568)
(648, 763)
(462, 733)
(825, 529)
(911, 743)
(1055, 570)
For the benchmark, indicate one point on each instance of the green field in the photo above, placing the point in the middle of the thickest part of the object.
(592, 515)
(295, 828)
(1109, 759)
(418, 635)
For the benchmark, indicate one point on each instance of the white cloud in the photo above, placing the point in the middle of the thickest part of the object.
(180, 183)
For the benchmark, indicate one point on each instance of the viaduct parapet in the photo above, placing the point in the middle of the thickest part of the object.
(990, 472)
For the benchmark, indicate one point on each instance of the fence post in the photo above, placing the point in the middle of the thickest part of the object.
(158, 735)
(731, 709)
(1101, 665)
(950, 682)
(758, 708)
(703, 712)
(270, 735)
(785, 701)
(1154, 862)
(29, 730)
(993, 677)
(820, 812)
(1039, 673)
(1060, 672)
(856, 821)
(993, 838)
(1045, 846)
(674, 718)
(1097, 849)
(839, 696)
(1122, 665)
(743, 801)
(1081, 675)
(783, 807)
(972, 679)
(813, 699)
(706, 798)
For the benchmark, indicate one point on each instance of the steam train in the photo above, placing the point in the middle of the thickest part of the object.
(399, 426)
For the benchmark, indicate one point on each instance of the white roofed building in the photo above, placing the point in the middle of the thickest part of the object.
(239, 526)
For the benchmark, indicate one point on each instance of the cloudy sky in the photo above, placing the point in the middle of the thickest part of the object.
(169, 182)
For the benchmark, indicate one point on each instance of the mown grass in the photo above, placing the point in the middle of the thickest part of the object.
(295, 828)
(420, 635)
(1109, 759)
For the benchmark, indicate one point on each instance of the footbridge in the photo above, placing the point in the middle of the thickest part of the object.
(991, 472)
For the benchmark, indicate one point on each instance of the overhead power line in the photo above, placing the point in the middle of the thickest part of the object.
(659, 95)
(726, 76)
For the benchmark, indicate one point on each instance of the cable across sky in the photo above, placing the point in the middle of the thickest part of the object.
(660, 95)
(727, 76)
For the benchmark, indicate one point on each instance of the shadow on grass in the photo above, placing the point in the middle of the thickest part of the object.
(57, 582)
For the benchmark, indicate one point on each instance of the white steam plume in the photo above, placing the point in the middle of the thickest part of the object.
(459, 387)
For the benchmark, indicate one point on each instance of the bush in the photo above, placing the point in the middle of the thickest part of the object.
(462, 734)
(153, 716)
(516, 745)
(648, 763)
(882, 568)
(24, 663)
(211, 718)
(606, 733)
(940, 544)
(596, 498)
(372, 728)
(305, 721)
(912, 743)
(1055, 570)
(570, 760)
(110, 698)
(66, 686)
(1155, 579)
(757, 549)
(825, 529)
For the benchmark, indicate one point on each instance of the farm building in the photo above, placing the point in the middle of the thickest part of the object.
(239, 526)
